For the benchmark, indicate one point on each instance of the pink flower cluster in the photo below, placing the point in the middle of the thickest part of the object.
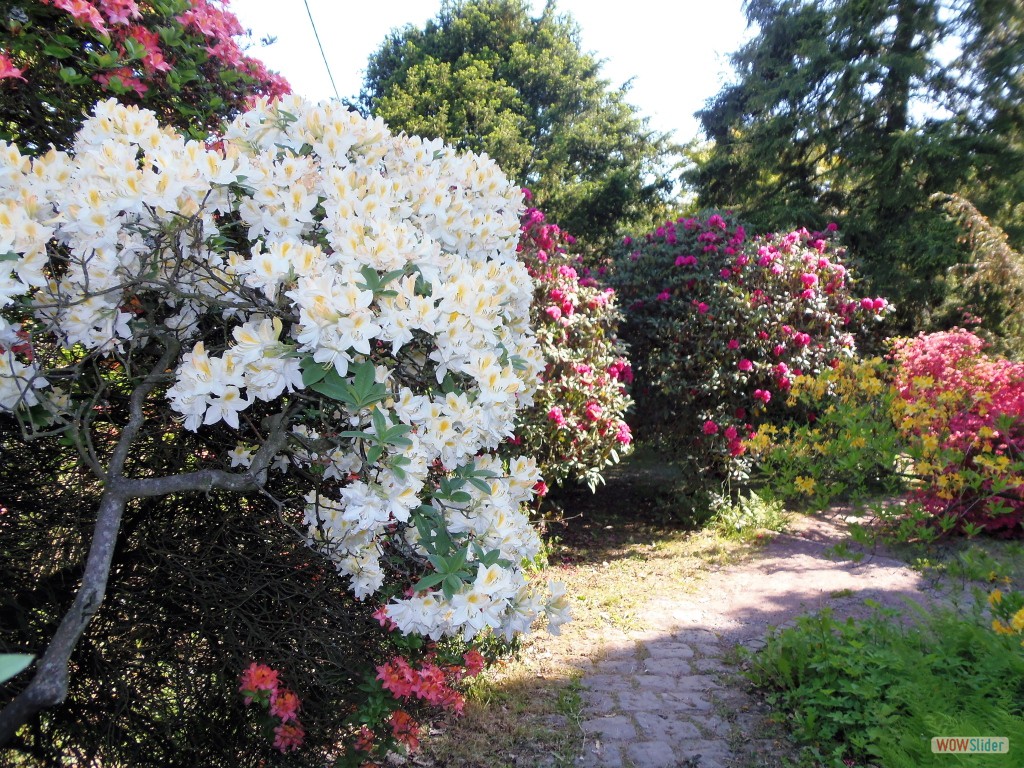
(720, 324)
(576, 426)
(976, 404)
(113, 18)
(428, 682)
(261, 683)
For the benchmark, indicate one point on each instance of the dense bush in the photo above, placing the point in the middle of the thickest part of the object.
(320, 314)
(876, 691)
(179, 58)
(575, 427)
(939, 418)
(718, 325)
(963, 411)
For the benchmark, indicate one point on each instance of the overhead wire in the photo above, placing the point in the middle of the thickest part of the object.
(320, 45)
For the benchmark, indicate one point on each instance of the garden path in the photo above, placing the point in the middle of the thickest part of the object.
(660, 695)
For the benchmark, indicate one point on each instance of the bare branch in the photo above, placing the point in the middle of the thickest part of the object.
(49, 685)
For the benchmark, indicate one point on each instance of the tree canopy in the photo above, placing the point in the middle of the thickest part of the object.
(858, 111)
(486, 76)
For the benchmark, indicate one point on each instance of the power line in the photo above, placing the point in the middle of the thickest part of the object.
(320, 45)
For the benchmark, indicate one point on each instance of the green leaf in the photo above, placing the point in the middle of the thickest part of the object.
(428, 581)
(334, 387)
(451, 585)
(481, 485)
(10, 256)
(312, 371)
(57, 51)
(358, 435)
(133, 48)
(12, 664)
(71, 76)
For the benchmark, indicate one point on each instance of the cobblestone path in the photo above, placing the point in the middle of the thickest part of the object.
(661, 697)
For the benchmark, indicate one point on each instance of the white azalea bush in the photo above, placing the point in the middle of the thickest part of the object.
(319, 296)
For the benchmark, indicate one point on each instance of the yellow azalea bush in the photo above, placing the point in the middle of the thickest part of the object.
(939, 419)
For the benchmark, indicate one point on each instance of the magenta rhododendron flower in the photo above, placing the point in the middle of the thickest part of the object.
(763, 395)
(556, 415)
(745, 365)
(664, 296)
(710, 428)
(553, 312)
(733, 344)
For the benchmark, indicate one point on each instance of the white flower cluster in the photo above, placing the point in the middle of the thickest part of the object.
(360, 249)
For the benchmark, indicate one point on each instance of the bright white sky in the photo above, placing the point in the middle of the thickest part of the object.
(674, 50)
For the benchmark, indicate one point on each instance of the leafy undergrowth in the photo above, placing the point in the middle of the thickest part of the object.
(615, 550)
(875, 692)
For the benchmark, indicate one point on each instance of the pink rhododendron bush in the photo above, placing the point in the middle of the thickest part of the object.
(963, 411)
(180, 58)
(576, 426)
(718, 324)
(315, 300)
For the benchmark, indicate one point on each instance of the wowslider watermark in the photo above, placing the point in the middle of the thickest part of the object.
(971, 745)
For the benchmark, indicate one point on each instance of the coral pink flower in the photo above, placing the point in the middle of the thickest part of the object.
(7, 68)
(258, 677)
(288, 736)
(284, 704)
(474, 661)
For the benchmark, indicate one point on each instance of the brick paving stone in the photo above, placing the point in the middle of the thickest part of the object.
(610, 683)
(664, 727)
(709, 665)
(652, 754)
(659, 682)
(713, 753)
(713, 725)
(653, 696)
(698, 683)
(599, 702)
(686, 701)
(610, 727)
(601, 756)
(641, 701)
(669, 649)
(617, 666)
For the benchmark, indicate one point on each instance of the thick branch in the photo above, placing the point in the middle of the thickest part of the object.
(49, 685)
